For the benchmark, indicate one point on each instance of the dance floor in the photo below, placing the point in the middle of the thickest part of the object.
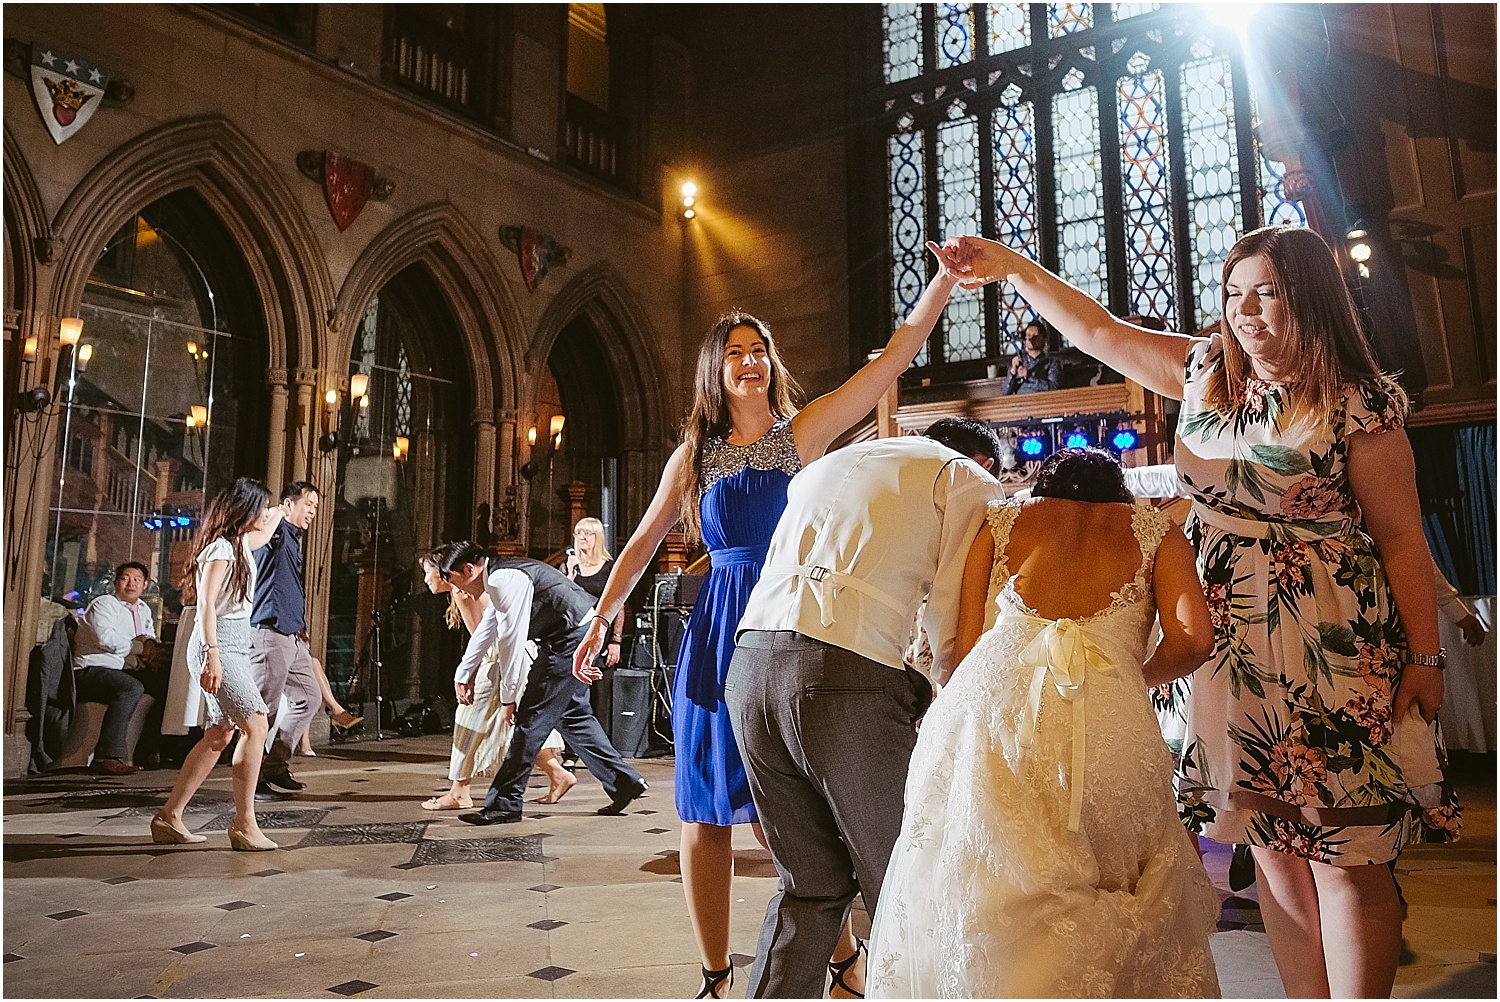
(373, 897)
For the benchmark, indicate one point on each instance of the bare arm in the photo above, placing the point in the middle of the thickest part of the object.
(1151, 358)
(665, 512)
(471, 610)
(972, 594)
(1187, 630)
(256, 538)
(1383, 477)
(214, 577)
(829, 416)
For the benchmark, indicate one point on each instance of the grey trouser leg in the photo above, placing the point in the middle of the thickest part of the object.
(283, 664)
(826, 736)
(119, 691)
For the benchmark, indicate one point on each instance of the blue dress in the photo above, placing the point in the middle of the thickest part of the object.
(741, 495)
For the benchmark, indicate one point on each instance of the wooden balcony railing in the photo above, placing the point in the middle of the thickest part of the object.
(592, 140)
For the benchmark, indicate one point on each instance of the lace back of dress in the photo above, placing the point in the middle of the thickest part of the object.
(1134, 602)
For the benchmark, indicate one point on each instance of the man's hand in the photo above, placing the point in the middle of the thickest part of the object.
(612, 654)
(1472, 629)
(465, 693)
(509, 714)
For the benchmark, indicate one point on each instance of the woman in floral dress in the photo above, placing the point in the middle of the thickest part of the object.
(1310, 547)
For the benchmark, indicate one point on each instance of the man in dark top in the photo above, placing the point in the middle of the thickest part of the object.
(1035, 369)
(278, 641)
(532, 600)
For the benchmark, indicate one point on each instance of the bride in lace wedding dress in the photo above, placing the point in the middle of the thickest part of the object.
(1041, 854)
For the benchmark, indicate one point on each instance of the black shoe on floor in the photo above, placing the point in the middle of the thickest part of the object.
(622, 799)
(1241, 868)
(284, 780)
(266, 794)
(491, 816)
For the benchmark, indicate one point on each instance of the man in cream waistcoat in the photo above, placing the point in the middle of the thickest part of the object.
(823, 707)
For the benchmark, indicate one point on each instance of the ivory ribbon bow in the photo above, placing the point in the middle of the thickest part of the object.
(1064, 652)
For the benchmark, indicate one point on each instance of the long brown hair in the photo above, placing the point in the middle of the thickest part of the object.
(709, 416)
(1321, 324)
(229, 516)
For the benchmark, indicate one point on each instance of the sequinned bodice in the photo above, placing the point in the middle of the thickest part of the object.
(774, 450)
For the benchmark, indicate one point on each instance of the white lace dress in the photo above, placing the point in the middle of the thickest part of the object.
(1010, 879)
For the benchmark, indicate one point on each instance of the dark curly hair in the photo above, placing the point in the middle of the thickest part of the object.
(1082, 475)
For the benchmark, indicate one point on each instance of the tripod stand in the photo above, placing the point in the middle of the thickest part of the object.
(369, 674)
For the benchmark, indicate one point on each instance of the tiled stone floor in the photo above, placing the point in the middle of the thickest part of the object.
(373, 897)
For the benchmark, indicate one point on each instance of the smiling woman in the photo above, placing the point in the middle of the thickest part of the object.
(1308, 732)
(743, 441)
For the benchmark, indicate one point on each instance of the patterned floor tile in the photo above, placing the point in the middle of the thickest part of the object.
(197, 947)
(551, 973)
(349, 988)
(376, 935)
(441, 852)
(389, 833)
(271, 819)
(70, 913)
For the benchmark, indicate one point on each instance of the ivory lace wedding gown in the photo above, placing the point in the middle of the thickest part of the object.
(1041, 854)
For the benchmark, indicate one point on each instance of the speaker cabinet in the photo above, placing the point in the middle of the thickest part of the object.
(630, 711)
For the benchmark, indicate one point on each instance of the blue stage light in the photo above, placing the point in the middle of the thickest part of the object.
(1033, 446)
(1125, 439)
(1077, 439)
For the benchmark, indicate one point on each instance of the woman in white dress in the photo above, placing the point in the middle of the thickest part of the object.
(1041, 854)
(222, 575)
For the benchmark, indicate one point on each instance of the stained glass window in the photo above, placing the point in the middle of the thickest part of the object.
(958, 212)
(1009, 26)
(1080, 187)
(403, 393)
(955, 34)
(1102, 141)
(903, 41)
(1208, 140)
(1068, 18)
(908, 230)
(1014, 131)
(1149, 253)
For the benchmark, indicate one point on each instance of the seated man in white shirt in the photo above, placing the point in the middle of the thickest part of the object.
(823, 707)
(110, 628)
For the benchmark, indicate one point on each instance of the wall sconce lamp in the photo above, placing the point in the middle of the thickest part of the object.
(192, 347)
(1360, 250)
(359, 388)
(689, 199)
(69, 331)
(28, 349)
(330, 439)
(400, 448)
(531, 435)
(85, 354)
(198, 417)
(556, 430)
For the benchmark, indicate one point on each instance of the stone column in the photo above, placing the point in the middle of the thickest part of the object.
(321, 469)
(483, 420)
(276, 454)
(305, 422)
(576, 494)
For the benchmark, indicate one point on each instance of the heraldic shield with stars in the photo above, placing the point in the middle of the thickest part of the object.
(67, 90)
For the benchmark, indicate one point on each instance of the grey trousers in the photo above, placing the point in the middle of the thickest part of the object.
(282, 663)
(826, 736)
(118, 690)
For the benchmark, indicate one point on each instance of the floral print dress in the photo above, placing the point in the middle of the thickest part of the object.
(1290, 739)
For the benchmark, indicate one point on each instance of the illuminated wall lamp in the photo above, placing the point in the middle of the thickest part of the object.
(531, 435)
(689, 191)
(70, 330)
(556, 430)
(401, 447)
(85, 354)
(28, 350)
(192, 347)
(359, 386)
(199, 416)
(330, 439)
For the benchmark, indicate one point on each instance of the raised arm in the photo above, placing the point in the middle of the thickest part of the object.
(832, 414)
(261, 534)
(1151, 358)
(665, 512)
(1383, 477)
(1187, 630)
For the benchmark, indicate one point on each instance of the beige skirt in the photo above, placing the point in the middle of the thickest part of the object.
(481, 736)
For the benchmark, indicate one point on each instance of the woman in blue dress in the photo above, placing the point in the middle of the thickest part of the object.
(743, 441)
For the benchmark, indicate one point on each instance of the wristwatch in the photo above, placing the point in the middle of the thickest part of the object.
(1438, 660)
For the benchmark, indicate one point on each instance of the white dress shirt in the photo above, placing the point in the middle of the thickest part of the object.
(869, 531)
(507, 623)
(108, 630)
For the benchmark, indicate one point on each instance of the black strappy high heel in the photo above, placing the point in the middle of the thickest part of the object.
(714, 981)
(837, 971)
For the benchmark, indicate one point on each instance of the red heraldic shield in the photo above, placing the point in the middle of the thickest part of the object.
(348, 184)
